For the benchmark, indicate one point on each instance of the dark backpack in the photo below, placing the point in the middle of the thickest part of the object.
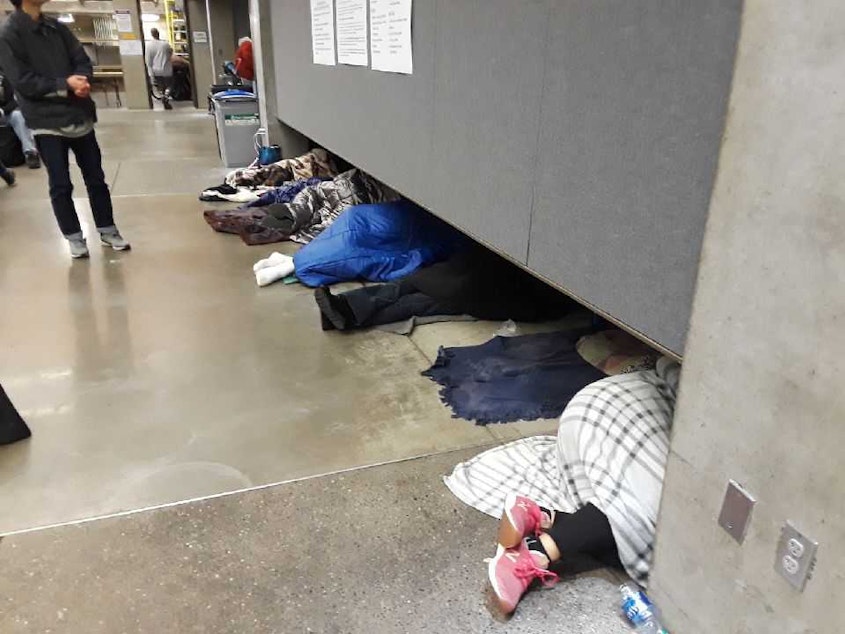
(11, 151)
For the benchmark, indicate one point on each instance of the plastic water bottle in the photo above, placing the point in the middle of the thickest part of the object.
(640, 611)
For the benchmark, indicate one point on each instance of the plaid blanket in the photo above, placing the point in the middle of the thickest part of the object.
(315, 164)
(610, 451)
(315, 208)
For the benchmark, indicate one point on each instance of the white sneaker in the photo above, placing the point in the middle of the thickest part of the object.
(114, 240)
(78, 248)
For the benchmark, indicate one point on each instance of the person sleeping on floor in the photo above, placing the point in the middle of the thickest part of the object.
(592, 490)
(474, 282)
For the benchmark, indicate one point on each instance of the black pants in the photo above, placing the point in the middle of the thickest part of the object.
(587, 531)
(164, 86)
(393, 302)
(54, 152)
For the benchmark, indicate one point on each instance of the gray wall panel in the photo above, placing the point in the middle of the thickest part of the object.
(488, 87)
(381, 122)
(632, 121)
(579, 136)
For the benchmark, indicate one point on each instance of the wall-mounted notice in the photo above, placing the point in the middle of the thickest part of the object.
(200, 37)
(322, 32)
(352, 32)
(390, 36)
(131, 47)
(124, 21)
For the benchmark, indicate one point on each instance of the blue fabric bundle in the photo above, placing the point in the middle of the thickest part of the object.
(285, 193)
(513, 378)
(378, 243)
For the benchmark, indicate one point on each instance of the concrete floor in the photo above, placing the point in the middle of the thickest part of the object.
(164, 375)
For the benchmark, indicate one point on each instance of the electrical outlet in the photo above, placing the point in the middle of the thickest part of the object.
(796, 556)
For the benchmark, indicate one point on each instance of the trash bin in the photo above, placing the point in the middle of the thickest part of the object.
(237, 123)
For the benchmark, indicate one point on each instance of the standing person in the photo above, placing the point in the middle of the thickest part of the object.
(244, 61)
(160, 67)
(51, 75)
(11, 113)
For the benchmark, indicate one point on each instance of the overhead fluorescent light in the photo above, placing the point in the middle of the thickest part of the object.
(150, 17)
(66, 18)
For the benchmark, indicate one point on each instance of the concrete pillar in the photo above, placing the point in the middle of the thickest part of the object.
(201, 59)
(762, 399)
(241, 13)
(292, 142)
(223, 40)
(132, 56)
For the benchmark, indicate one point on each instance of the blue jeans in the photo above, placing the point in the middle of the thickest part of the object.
(54, 153)
(18, 124)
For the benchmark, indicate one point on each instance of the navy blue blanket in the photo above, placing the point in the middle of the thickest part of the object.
(512, 378)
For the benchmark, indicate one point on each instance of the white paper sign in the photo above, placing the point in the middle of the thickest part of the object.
(124, 21)
(352, 32)
(131, 47)
(322, 32)
(200, 37)
(390, 36)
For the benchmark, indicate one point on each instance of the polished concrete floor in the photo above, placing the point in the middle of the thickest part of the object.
(164, 375)
(386, 549)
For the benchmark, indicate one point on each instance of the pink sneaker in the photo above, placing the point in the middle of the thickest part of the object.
(511, 572)
(521, 517)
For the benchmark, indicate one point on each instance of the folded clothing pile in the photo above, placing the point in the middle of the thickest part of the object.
(248, 185)
(301, 210)
(227, 194)
(316, 163)
(315, 208)
(246, 221)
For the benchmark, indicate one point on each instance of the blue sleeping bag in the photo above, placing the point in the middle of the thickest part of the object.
(378, 243)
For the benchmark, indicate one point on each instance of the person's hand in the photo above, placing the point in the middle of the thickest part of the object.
(78, 84)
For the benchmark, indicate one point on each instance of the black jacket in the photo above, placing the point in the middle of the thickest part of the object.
(38, 57)
(8, 104)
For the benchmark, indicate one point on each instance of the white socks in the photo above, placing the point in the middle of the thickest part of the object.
(273, 269)
(275, 259)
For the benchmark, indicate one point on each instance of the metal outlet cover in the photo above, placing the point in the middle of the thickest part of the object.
(736, 511)
(796, 556)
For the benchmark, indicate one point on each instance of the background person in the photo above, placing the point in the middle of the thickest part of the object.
(51, 75)
(11, 114)
(159, 57)
(244, 60)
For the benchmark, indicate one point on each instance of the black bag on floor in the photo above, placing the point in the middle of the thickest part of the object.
(12, 427)
(11, 151)
(181, 90)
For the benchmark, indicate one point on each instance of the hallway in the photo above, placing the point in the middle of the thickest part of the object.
(163, 375)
